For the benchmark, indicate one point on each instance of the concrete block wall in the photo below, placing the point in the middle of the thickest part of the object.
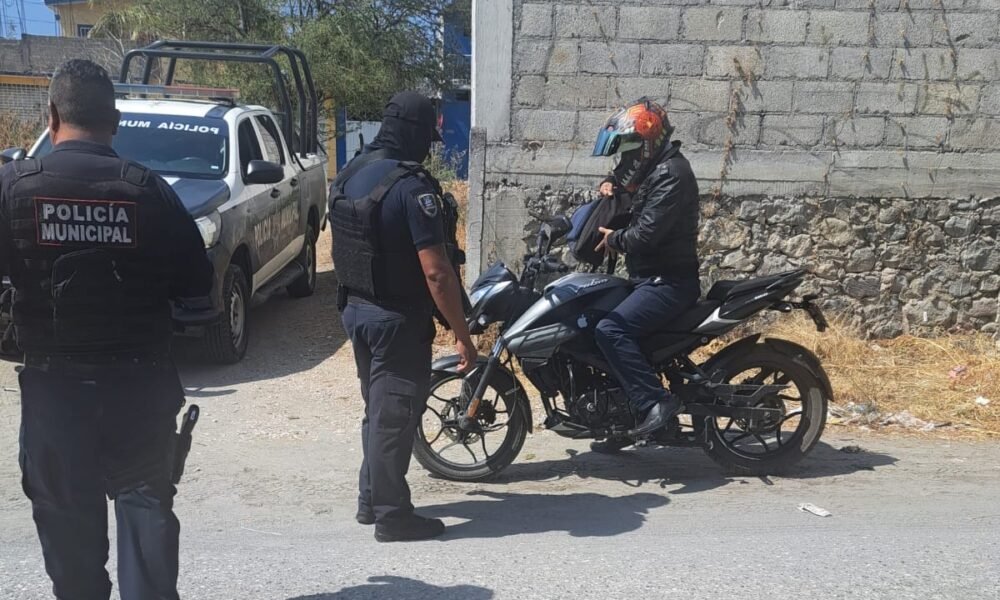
(803, 100)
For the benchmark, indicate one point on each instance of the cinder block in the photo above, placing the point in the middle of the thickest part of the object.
(739, 62)
(672, 59)
(838, 28)
(880, 5)
(685, 125)
(536, 20)
(713, 130)
(917, 132)
(545, 56)
(925, 64)
(544, 125)
(946, 4)
(857, 132)
(589, 123)
(975, 134)
(783, 62)
(713, 24)
(948, 99)
(613, 58)
(979, 65)
(576, 91)
(861, 63)
(802, 131)
(989, 102)
(768, 97)
(806, 3)
(586, 21)
(967, 30)
(777, 26)
(886, 98)
(699, 95)
(625, 90)
(820, 97)
(530, 90)
(649, 23)
(906, 29)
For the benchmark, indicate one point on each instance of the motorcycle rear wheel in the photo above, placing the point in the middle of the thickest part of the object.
(448, 452)
(770, 447)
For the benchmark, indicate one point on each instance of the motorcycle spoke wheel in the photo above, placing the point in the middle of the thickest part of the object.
(454, 446)
(761, 438)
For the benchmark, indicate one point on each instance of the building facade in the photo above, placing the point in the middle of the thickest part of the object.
(857, 138)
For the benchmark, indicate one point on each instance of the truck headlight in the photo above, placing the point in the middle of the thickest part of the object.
(210, 227)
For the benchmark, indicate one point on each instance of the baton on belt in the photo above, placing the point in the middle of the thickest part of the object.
(183, 442)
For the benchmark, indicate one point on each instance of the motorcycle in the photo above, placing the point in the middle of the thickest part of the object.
(757, 406)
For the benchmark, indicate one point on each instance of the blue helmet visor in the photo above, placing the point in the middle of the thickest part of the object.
(607, 142)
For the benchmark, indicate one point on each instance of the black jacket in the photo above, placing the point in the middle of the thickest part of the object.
(662, 237)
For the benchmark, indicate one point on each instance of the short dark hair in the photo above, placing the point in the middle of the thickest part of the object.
(83, 95)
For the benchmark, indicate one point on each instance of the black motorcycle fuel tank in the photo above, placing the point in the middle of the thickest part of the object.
(568, 306)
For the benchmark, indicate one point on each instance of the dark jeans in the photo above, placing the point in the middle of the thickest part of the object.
(102, 432)
(648, 309)
(393, 354)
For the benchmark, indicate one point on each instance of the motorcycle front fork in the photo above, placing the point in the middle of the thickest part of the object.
(468, 420)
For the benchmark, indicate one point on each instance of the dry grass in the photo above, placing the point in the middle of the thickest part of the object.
(18, 133)
(935, 379)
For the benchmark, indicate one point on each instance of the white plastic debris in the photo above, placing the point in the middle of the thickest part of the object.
(812, 508)
(982, 401)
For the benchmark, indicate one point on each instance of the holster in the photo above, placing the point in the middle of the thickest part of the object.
(10, 350)
(182, 443)
(342, 294)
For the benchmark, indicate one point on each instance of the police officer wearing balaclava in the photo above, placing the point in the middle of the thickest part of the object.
(95, 246)
(389, 251)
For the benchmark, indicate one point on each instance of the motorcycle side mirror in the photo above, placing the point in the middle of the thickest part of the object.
(12, 154)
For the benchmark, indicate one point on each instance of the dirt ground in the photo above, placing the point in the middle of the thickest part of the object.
(267, 503)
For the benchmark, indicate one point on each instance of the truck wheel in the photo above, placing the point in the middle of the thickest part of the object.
(305, 285)
(226, 340)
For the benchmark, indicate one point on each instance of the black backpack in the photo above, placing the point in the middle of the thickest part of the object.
(611, 212)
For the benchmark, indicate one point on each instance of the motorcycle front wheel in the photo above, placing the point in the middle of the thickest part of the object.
(449, 452)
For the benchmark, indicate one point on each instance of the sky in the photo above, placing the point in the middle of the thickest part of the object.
(39, 20)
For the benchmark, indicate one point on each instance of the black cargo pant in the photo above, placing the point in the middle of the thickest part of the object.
(393, 355)
(87, 432)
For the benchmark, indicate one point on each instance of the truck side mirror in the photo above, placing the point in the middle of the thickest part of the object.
(12, 154)
(264, 172)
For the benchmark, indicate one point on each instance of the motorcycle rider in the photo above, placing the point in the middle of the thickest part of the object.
(660, 246)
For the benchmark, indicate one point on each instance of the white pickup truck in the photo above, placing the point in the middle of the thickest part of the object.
(259, 198)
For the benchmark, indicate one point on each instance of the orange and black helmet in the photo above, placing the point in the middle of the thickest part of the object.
(638, 132)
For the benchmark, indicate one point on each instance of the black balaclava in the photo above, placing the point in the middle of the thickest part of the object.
(409, 127)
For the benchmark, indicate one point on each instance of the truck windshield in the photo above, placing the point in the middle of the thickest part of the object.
(188, 147)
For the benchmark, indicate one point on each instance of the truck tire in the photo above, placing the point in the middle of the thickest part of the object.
(226, 340)
(305, 285)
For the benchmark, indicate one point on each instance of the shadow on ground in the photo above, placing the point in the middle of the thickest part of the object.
(401, 588)
(287, 336)
(501, 514)
(689, 467)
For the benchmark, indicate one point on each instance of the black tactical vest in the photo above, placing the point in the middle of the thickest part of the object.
(89, 268)
(363, 265)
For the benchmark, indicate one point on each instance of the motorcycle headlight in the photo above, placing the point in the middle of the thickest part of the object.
(477, 295)
(210, 227)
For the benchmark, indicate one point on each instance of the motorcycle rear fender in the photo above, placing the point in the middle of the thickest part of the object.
(785, 347)
(449, 364)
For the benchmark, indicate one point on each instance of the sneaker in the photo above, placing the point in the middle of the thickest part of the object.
(408, 529)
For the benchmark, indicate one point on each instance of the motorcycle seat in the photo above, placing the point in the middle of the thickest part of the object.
(723, 290)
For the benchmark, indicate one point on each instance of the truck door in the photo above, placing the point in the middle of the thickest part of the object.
(260, 205)
(290, 227)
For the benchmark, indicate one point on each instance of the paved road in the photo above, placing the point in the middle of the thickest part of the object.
(267, 508)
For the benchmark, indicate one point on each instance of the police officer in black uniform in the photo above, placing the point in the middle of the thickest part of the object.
(391, 257)
(95, 246)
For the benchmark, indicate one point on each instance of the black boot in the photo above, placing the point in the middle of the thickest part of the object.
(365, 516)
(408, 529)
(611, 445)
(658, 416)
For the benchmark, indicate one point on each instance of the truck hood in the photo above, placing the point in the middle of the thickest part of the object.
(200, 196)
